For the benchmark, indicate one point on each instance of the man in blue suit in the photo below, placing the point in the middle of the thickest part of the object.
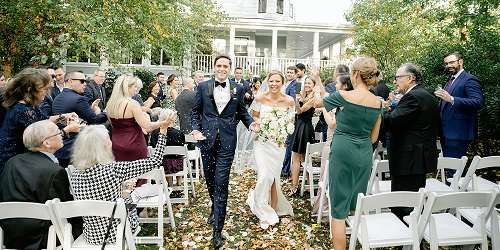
(461, 98)
(291, 75)
(217, 109)
(72, 99)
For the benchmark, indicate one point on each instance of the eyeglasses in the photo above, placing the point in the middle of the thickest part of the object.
(50, 136)
(396, 77)
(450, 62)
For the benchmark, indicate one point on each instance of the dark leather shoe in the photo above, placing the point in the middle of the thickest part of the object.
(211, 218)
(217, 240)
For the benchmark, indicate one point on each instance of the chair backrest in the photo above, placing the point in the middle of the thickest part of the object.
(438, 202)
(176, 150)
(70, 209)
(391, 199)
(312, 149)
(452, 163)
(70, 170)
(29, 210)
(379, 167)
(376, 152)
(479, 162)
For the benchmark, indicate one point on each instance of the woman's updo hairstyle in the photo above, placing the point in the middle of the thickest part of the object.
(367, 68)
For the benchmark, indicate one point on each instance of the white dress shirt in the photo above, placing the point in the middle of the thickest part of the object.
(222, 96)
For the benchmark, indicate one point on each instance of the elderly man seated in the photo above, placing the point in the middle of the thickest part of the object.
(34, 177)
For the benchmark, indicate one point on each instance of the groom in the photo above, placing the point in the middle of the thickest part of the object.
(217, 109)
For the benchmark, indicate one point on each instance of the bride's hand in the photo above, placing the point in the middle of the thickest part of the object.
(255, 127)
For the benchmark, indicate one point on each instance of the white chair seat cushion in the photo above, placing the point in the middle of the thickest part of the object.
(434, 185)
(452, 231)
(472, 215)
(193, 154)
(384, 186)
(481, 184)
(150, 201)
(385, 229)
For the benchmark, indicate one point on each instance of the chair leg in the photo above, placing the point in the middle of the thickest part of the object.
(303, 184)
(311, 187)
(320, 209)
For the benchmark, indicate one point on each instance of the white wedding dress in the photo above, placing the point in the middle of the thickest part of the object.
(268, 164)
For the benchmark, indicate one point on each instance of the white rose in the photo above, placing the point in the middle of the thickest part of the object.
(273, 125)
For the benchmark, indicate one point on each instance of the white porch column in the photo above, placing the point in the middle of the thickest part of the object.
(316, 54)
(274, 51)
(232, 34)
(146, 58)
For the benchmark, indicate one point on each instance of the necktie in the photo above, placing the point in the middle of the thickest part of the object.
(448, 85)
(222, 84)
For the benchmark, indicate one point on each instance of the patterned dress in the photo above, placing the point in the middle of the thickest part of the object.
(103, 182)
(17, 118)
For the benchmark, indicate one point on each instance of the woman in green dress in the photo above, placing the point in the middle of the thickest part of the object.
(358, 125)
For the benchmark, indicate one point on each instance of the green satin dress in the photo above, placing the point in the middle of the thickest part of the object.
(350, 153)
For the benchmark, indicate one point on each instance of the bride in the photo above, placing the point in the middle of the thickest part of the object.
(267, 201)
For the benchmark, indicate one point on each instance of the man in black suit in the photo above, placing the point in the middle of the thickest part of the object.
(95, 89)
(34, 176)
(72, 99)
(184, 105)
(413, 125)
(59, 82)
(217, 109)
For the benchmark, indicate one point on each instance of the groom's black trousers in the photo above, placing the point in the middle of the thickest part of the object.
(217, 162)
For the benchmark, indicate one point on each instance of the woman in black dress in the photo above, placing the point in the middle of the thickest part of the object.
(304, 130)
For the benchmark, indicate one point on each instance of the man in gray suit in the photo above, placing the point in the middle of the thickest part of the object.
(184, 104)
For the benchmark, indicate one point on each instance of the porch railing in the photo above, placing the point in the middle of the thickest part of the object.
(258, 64)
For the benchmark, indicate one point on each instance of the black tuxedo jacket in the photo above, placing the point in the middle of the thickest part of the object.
(414, 126)
(31, 177)
(206, 118)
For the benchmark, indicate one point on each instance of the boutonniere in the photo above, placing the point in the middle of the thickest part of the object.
(233, 89)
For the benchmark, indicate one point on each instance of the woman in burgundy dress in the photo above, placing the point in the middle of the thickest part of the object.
(128, 121)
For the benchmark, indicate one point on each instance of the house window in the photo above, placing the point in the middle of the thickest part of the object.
(279, 6)
(241, 46)
(262, 6)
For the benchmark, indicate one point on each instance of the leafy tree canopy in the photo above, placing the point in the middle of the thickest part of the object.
(34, 32)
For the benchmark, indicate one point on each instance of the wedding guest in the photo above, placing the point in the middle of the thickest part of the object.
(342, 82)
(99, 177)
(72, 99)
(128, 121)
(304, 131)
(34, 176)
(59, 80)
(95, 88)
(153, 92)
(357, 128)
(22, 100)
(171, 91)
(184, 105)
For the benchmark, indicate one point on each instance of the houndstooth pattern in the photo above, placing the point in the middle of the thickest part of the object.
(103, 182)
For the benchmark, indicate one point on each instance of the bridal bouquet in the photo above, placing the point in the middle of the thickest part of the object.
(276, 125)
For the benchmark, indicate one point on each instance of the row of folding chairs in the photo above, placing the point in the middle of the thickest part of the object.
(445, 219)
(59, 212)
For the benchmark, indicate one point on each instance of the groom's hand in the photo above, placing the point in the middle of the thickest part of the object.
(255, 127)
(198, 135)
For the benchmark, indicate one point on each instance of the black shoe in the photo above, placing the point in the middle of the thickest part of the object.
(217, 240)
(211, 218)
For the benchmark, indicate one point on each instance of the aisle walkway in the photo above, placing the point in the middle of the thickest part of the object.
(241, 228)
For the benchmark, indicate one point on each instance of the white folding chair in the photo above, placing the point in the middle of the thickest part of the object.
(158, 201)
(188, 182)
(376, 184)
(194, 156)
(309, 171)
(439, 186)
(29, 210)
(323, 195)
(492, 220)
(70, 209)
(473, 182)
(374, 229)
(69, 171)
(444, 229)
(318, 136)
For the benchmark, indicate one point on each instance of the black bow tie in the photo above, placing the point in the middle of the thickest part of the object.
(222, 84)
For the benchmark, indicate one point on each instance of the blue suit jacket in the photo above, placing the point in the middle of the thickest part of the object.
(245, 84)
(206, 119)
(69, 101)
(459, 121)
(291, 89)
